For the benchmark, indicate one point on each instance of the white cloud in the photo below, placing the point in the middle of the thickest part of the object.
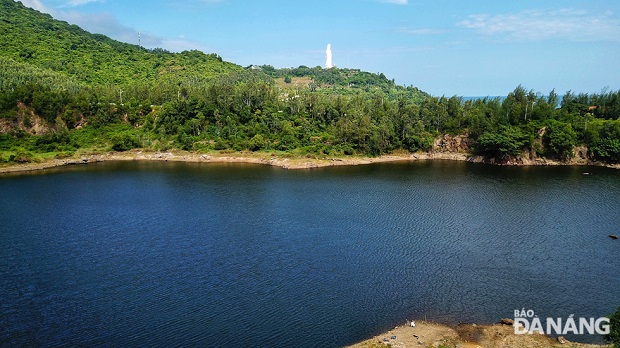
(182, 44)
(397, 2)
(106, 24)
(73, 3)
(421, 31)
(538, 25)
(36, 5)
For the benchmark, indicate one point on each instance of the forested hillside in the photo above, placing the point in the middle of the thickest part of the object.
(63, 90)
(32, 37)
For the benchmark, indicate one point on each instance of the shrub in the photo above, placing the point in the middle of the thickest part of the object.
(614, 329)
(21, 157)
(221, 145)
(560, 139)
(509, 141)
(607, 149)
(257, 143)
(124, 142)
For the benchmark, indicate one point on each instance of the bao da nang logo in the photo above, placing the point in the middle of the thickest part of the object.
(527, 322)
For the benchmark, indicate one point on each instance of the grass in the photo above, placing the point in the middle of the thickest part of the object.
(295, 82)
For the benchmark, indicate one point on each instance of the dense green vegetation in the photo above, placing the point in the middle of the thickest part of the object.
(344, 81)
(614, 329)
(63, 90)
(31, 37)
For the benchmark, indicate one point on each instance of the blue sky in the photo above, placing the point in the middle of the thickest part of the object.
(444, 47)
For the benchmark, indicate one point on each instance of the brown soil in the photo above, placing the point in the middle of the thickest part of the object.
(286, 162)
(426, 334)
(240, 157)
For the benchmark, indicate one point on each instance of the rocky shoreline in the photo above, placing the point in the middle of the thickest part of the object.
(283, 161)
(429, 334)
(286, 162)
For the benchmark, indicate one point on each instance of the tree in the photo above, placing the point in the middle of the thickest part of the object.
(553, 99)
(509, 141)
(614, 329)
(560, 139)
(604, 140)
(192, 100)
(48, 104)
(607, 149)
(257, 143)
(124, 142)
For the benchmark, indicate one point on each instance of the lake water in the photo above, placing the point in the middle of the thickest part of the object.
(163, 254)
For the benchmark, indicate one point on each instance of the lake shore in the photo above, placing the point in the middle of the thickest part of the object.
(428, 334)
(279, 160)
(282, 161)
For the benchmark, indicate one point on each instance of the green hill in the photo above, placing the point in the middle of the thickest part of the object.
(15, 75)
(45, 45)
(343, 81)
(65, 91)
(31, 37)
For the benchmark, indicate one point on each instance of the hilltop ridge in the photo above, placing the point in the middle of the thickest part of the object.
(29, 36)
(66, 92)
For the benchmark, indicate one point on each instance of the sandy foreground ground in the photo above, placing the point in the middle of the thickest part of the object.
(426, 334)
(239, 157)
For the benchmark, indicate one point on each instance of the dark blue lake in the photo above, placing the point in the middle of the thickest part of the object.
(163, 254)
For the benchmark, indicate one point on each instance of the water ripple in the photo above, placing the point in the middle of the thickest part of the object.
(185, 255)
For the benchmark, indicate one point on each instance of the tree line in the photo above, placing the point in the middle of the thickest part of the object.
(64, 90)
(247, 111)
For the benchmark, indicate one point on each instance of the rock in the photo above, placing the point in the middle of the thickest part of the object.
(448, 143)
(562, 340)
(476, 159)
(507, 321)
(580, 154)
